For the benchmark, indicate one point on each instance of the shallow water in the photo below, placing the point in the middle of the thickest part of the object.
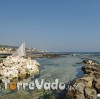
(64, 68)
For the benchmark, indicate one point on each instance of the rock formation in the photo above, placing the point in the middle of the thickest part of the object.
(18, 67)
(88, 86)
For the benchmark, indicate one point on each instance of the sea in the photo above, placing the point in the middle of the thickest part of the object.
(65, 68)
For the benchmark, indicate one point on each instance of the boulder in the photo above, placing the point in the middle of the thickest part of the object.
(96, 84)
(17, 67)
(91, 62)
(22, 74)
(79, 87)
(88, 86)
(87, 81)
(90, 93)
(80, 96)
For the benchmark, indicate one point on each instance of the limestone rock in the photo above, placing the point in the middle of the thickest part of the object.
(17, 67)
(97, 84)
(91, 62)
(80, 96)
(90, 93)
(80, 88)
(88, 86)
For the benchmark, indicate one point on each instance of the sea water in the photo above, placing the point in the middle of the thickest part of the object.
(64, 68)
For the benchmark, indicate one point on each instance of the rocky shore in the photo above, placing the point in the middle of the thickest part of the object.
(88, 86)
(35, 55)
(43, 55)
(18, 68)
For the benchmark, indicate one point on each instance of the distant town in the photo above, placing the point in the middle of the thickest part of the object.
(6, 50)
(11, 49)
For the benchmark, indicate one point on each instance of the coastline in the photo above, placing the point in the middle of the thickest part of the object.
(59, 94)
(84, 87)
(87, 86)
(34, 55)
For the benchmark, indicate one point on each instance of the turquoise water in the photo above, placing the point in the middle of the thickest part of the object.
(62, 68)
(65, 68)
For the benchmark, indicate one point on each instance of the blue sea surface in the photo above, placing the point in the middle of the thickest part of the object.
(66, 67)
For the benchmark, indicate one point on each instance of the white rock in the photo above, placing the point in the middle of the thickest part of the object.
(98, 95)
(1, 64)
(28, 66)
(3, 67)
(89, 61)
(14, 65)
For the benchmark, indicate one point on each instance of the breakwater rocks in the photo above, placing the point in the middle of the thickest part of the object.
(34, 55)
(43, 55)
(88, 86)
(18, 68)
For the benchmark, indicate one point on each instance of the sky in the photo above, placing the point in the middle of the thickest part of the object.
(52, 25)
